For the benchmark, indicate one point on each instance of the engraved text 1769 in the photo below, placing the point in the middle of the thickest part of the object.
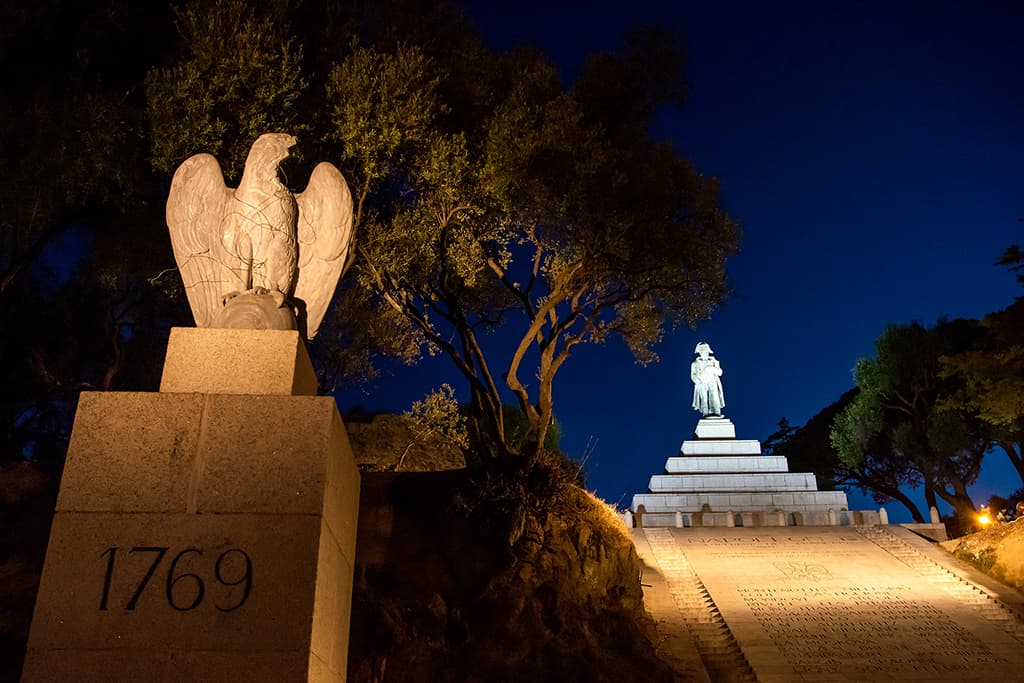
(184, 590)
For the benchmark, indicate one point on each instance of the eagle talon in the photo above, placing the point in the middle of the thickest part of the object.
(275, 294)
(278, 298)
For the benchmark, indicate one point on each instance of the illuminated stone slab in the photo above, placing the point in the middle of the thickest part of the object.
(715, 428)
(822, 603)
(804, 481)
(760, 463)
(720, 501)
(721, 447)
(200, 536)
(221, 361)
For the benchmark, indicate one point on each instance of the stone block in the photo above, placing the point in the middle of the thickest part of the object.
(249, 441)
(333, 604)
(131, 452)
(65, 666)
(79, 608)
(731, 482)
(298, 605)
(170, 504)
(209, 454)
(935, 532)
(715, 428)
(866, 517)
(657, 519)
(715, 501)
(817, 518)
(225, 361)
(726, 464)
(720, 447)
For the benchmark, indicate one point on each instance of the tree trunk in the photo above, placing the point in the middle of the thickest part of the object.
(864, 483)
(929, 496)
(915, 513)
(960, 500)
(1015, 456)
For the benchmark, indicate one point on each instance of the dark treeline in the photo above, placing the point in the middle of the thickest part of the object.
(927, 410)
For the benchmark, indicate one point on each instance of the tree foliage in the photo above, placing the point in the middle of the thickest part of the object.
(241, 77)
(489, 193)
(809, 448)
(80, 223)
(927, 408)
(990, 374)
(776, 441)
(540, 216)
(898, 416)
(73, 135)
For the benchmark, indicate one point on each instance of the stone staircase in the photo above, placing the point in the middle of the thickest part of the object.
(966, 593)
(719, 651)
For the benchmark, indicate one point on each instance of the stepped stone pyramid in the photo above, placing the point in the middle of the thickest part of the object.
(719, 480)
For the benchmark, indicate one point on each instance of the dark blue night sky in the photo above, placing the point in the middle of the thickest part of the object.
(875, 157)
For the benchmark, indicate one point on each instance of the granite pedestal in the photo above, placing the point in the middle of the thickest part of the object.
(206, 532)
(719, 480)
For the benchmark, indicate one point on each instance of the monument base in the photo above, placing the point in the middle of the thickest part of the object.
(200, 536)
(715, 427)
(719, 480)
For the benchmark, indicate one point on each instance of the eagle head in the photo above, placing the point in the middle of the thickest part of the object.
(267, 153)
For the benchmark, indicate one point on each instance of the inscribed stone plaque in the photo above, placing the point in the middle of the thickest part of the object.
(828, 604)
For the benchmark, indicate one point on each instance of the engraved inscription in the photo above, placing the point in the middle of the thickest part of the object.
(803, 570)
(184, 579)
(848, 629)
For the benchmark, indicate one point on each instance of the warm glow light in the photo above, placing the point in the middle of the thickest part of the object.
(984, 520)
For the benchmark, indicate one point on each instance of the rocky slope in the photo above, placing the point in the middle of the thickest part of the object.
(454, 583)
(998, 551)
(27, 498)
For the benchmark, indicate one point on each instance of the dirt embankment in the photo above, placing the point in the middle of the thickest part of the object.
(27, 498)
(998, 551)
(449, 588)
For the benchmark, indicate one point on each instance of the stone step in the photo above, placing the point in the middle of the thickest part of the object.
(707, 447)
(733, 483)
(721, 501)
(715, 428)
(718, 650)
(734, 464)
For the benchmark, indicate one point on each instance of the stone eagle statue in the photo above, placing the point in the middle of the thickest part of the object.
(258, 256)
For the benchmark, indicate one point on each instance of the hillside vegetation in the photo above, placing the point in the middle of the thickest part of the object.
(998, 551)
(457, 582)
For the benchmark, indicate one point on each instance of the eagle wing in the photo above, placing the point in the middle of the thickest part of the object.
(325, 235)
(196, 210)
